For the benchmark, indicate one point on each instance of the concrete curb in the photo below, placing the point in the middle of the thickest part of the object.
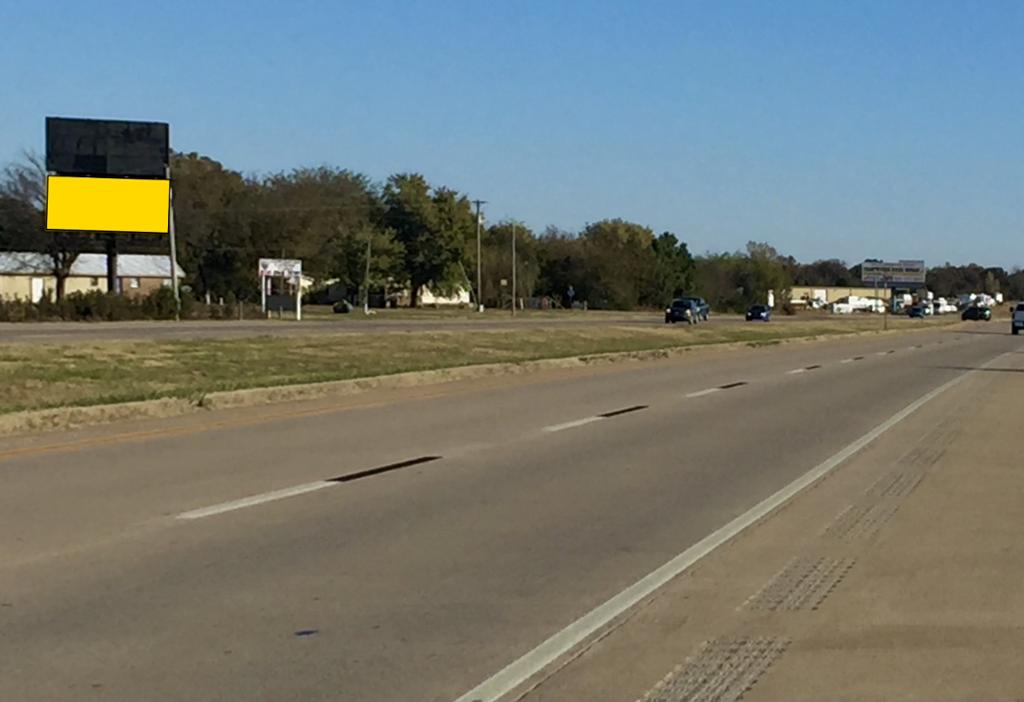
(64, 418)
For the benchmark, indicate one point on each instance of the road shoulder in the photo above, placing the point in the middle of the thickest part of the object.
(896, 577)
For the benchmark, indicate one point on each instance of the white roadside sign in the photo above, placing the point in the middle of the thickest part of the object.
(286, 267)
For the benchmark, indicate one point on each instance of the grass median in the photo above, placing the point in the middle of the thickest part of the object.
(119, 371)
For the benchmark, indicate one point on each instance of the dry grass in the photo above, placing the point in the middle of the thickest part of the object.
(108, 372)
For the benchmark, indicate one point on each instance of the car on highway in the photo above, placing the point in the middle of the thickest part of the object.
(1017, 321)
(682, 310)
(759, 313)
(977, 314)
(703, 308)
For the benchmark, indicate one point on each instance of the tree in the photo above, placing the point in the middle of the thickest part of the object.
(496, 252)
(765, 272)
(735, 281)
(214, 210)
(20, 224)
(24, 181)
(560, 265)
(320, 215)
(672, 274)
(619, 263)
(826, 273)
(432, 228)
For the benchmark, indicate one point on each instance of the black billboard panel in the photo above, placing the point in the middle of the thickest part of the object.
(100, 147)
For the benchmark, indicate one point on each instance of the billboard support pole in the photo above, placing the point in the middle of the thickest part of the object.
(112, 286)
(174, 251)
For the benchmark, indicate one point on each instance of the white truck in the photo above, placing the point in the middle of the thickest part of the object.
(856, 303)
(1018, 319)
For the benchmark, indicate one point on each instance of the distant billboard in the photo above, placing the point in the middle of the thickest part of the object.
(107, 204)
(103, 147)
(893, 273)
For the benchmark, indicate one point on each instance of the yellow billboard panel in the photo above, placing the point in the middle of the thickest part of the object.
(107, 204)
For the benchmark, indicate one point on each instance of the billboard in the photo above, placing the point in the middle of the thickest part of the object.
(891, 273)
(100, 147)
(107, 204)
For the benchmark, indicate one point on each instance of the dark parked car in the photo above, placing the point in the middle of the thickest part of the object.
(978, 314)
(682, 310)
(703, 309)
(917, 311)
(759, 313)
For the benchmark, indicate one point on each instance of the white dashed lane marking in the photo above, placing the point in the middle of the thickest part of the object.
(702, 393)
(572, 424)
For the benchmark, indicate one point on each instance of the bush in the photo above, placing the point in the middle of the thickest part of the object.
(97, 306)
(159, 304)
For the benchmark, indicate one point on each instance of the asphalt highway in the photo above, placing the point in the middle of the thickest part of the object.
(72, 332)
(407, 547)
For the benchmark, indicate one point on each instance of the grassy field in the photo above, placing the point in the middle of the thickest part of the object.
(108, 372)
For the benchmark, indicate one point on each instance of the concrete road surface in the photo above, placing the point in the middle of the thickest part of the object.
(71, 332)
(409, 547)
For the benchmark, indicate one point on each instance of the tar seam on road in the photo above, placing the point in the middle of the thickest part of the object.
(627, 410)
(729, 386)
(816, 366)
(383, 469)
(283, 493)
(534, 661)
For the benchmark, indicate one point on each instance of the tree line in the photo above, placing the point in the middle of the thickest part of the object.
(407, 234)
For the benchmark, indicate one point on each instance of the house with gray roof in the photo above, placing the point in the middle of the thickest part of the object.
(29, 275)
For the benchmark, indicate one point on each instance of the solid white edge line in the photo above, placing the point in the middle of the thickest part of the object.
(570, 425)
(519, 671)
(256, 500)
(702, 393)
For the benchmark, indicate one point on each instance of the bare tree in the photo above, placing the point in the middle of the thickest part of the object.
(24, 180)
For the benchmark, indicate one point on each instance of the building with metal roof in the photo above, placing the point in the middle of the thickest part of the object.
(29, 275)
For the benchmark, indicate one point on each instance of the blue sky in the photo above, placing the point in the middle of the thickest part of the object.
(848, 129)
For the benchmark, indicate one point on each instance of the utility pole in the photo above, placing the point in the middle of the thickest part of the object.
(479, 275)
(366, 276)
(885, 317)
(513, 269)
(877, 298)
(174, 248)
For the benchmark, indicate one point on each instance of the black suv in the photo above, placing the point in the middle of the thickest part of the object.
(682, 310)
(977, 314)
(703, 309)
